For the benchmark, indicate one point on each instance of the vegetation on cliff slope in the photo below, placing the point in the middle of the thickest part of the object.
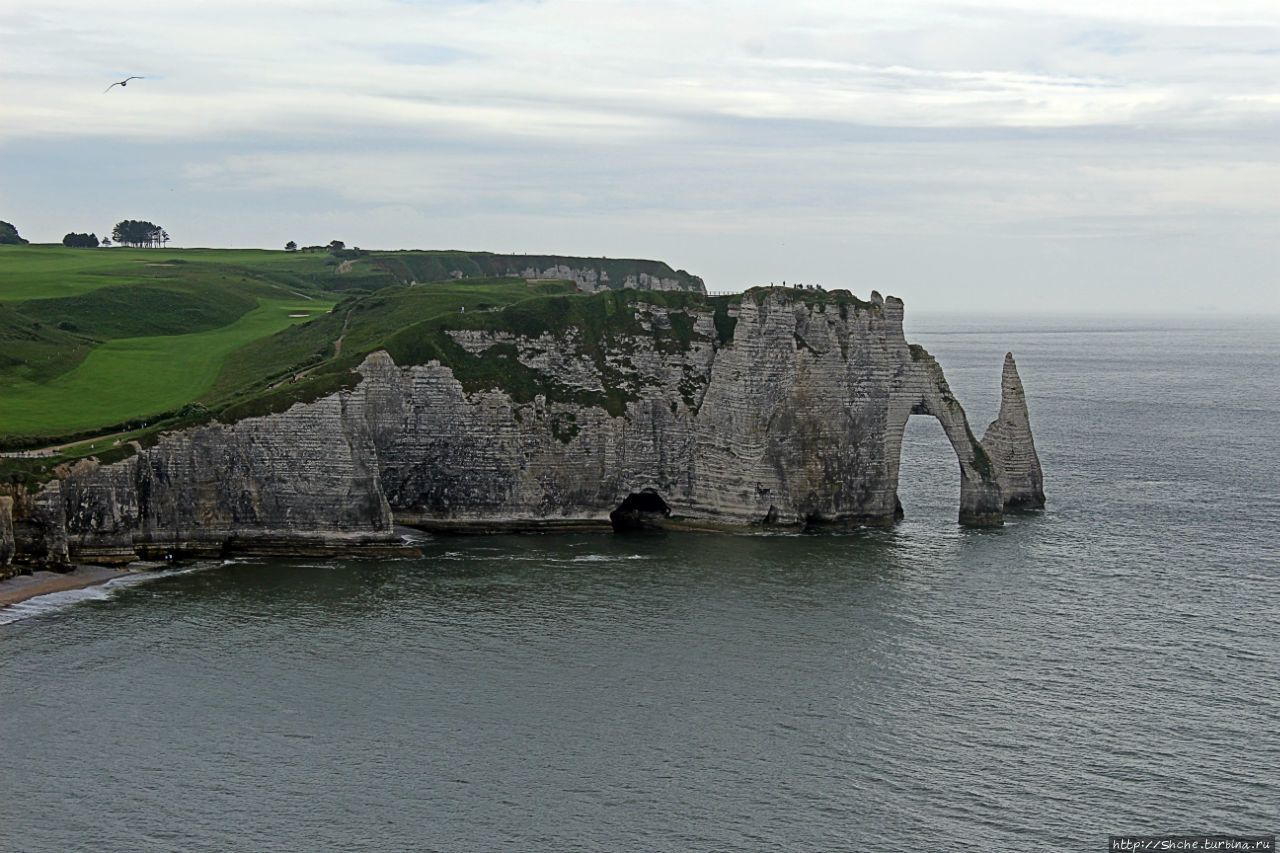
(580, 326)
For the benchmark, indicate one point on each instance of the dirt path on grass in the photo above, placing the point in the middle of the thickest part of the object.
(337, 345)
(337, 351)
(52, 449)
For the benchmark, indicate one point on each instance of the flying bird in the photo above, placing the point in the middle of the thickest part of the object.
(124, 82)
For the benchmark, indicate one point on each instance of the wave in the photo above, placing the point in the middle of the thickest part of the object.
(53, 602)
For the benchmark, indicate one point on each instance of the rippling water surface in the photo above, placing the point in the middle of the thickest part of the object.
(1111, 665)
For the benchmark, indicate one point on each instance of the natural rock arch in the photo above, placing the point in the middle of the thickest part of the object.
(1000, 472)
(923, 390)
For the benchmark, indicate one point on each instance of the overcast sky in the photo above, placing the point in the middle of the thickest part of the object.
(986, 155)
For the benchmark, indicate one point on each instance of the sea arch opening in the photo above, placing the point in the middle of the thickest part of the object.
(929, 476)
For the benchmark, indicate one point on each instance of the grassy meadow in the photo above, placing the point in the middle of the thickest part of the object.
(129, 378)
(53, 272)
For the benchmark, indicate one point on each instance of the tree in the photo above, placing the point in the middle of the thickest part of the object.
(336, 245)
(9, 235)
(80, 241)
(291, 246)
(133, 232)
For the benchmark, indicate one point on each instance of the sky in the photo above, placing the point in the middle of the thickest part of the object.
(992, 155)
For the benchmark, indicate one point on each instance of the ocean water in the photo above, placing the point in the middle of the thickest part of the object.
(1110, 665)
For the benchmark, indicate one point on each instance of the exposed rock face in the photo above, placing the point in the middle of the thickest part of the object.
(785, 410)
(6, 534)
(1009, 443)
(294, 482)
(590, 279)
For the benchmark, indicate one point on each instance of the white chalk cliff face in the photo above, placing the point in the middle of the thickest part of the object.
(591, 280)
(791, 413)
(1009, 443)
(7, 544)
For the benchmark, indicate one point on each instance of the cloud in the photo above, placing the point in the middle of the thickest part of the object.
(524, 64)
(950, 120)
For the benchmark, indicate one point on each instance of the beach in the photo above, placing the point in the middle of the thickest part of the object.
(22, 587)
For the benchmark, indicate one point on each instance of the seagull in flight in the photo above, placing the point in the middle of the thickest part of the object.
(124, 82)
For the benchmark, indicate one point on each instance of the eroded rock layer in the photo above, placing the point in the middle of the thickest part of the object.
(7, 545)
(778, 409)
(1008, 441)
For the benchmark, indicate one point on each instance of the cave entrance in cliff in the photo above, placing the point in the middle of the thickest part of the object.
(644, 510)
(928, 473)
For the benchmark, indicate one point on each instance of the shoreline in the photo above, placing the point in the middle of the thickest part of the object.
(22, 587)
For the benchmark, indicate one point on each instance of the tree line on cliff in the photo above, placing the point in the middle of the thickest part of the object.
(127, 232)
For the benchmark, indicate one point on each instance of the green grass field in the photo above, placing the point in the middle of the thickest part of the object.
(132, 377)
(54, 272)
(93, 338)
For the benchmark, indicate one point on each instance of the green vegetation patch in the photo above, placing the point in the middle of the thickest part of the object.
(54, 272)
(601, 317)
(363, 324)
(132, 377)
(9, 235)
(122, 311)
(981, 461)
(35, 272)
(597, 325)
(33, 351)
(307, 390)
(564, 426)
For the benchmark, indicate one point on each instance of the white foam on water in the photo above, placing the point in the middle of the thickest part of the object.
(52, 602)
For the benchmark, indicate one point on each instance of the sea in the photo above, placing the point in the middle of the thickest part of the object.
(1108, 666)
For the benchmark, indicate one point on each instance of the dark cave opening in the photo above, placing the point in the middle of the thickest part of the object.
(640, 511)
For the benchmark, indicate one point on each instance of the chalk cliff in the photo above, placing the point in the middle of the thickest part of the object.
(302, 481)
(7, 545)
(592, 279)
(1009, 443)
(589, 274)
(779, 408)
